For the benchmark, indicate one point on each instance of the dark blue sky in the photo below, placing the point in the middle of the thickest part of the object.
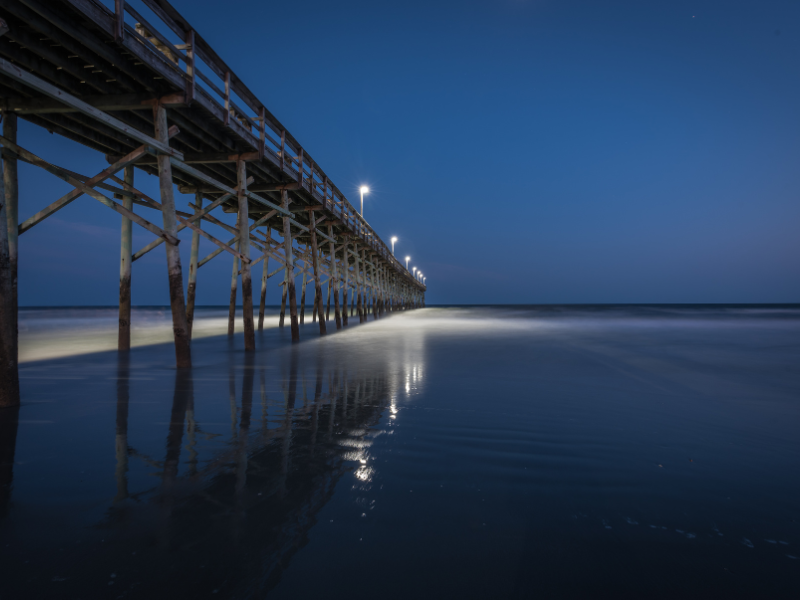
(522, 151)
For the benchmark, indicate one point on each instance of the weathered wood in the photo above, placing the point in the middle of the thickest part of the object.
(82, 187)
(334, 282)
(183, 353)
(287, 236)
(9, 373)
(323, 330)
(105, 102)
(192, 287)
(70, 196)
(264, 277)
(234, 283)
(126, 238)
(303, 289)
(345, 275)
(244, 249)
(48, 89)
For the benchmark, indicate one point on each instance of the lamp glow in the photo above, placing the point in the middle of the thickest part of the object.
(408, 258)
(364, 190)
(394, 239)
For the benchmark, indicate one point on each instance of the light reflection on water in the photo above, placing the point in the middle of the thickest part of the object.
(46, 333)
(481, 452)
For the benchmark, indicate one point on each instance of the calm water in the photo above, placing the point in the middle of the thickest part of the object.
(647, 452)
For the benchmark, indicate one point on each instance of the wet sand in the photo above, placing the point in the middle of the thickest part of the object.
(510, 452)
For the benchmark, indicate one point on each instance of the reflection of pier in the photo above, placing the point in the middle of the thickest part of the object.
(147, 90)
(234, 517)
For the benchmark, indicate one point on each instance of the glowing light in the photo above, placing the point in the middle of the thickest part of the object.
(364, 190)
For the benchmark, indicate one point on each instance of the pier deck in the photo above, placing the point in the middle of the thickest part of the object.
(145, 89)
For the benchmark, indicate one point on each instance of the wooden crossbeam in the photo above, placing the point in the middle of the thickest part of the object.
(233, 240)
(184, 219)
(44, 106)
(76, 193)
(85, 189)
(185, 224)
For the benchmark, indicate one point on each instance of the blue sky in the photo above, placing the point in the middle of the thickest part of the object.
(523, 152)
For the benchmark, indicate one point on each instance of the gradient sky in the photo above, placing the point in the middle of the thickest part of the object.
(522, 151)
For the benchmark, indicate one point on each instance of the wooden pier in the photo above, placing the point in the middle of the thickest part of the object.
(150, 93)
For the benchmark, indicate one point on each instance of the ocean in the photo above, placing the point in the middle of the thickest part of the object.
(446, 452)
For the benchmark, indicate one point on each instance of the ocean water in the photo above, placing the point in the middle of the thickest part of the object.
(461, 452)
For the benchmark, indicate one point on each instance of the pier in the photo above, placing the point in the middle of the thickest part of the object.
(151, 94)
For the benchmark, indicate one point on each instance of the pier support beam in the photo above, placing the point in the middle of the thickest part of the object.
(244, 250)
(9, 374)
(192, 288)
(303, 289)
(323, 330)
(183, 352)
(333, 282)
(263, 302)
(234, 283)
(346, 277)
(126, 240)
(290, 291)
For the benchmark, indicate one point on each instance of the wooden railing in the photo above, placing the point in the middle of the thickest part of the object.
(188, 61)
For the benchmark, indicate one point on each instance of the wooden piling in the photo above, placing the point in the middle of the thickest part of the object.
(183, 352)
(192, 288)
(263, 302)
(126, 238)
(323, 330)
(362, 296)
(345, 278)
(333, 282)
(303, 290)
(287, 240)
(283, 298)
(244, 250)
(9, 374)
(234, 283)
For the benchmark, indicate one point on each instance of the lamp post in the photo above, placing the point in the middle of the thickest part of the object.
(408, 258)
(394, 239)
(364, 190)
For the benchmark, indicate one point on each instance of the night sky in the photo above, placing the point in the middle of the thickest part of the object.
(522, 151)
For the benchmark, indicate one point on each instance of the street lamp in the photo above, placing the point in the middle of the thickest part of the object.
(414, 272)
(394, 239)
(408, 258)
(364, 190)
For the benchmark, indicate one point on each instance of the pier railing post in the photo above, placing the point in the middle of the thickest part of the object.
(192, 287)
(9, 374)
(126, 240)
(244, 250)
(183, 353)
